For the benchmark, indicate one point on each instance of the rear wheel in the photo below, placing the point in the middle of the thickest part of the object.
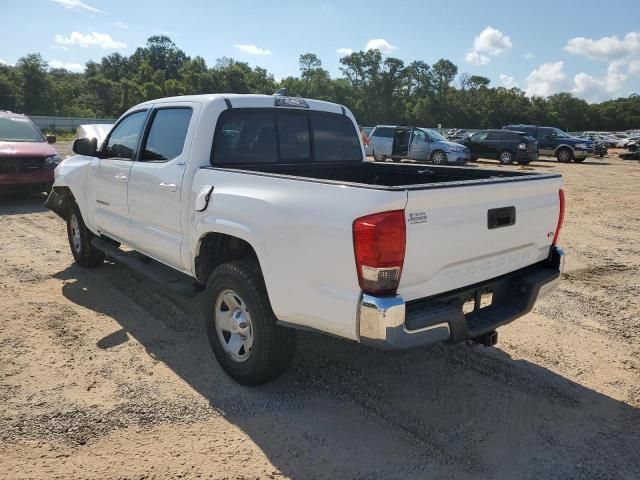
(241, 326)
(439, 157)
(564, 155)
(506, 157)
(80, 237)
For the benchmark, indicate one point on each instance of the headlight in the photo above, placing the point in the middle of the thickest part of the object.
(455, 149)
(522, 146)
(53, 159)
(581, 145)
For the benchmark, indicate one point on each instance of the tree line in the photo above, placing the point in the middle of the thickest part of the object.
(377, 89)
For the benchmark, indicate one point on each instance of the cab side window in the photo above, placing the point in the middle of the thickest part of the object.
(167, 134)
(123, 140)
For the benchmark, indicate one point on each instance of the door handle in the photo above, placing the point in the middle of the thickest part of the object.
(171, 187)
(121, 178)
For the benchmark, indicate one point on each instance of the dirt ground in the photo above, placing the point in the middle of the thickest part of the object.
(103, 375)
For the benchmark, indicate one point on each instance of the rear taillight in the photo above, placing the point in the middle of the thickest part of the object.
(379, 244)
(560, 219)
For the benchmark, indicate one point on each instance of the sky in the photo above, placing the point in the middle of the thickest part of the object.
(587, 47)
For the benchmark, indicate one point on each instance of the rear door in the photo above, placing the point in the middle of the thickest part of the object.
(109, 176)
(494, 143)
(450, 243)
(382, 141)
(155, 184)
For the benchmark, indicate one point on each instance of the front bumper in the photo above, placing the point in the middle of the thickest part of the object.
(458, 157)
(583, 153)
(391, 323)
(525, 156)
(39, 177)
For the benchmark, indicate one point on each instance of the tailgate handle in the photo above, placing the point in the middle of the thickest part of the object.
(501, 217)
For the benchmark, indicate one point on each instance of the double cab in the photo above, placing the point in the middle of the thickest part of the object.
(268, 206)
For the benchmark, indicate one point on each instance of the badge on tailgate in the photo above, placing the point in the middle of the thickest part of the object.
(501, 217)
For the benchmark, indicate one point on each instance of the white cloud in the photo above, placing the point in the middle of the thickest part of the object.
(252, 49)
(508, 81)
(119, 24)
(344, 51)
(546, 80)
(605, 48)
(611, 84)
(71, 4)
(488, 43)
(380, 44)
(72, 67)
(3, 62)
(93, 39)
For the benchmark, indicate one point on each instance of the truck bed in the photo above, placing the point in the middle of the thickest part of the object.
(388, 176)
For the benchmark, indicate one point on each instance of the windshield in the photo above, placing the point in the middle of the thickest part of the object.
(17, 129)
(559, 133)
(433, 134)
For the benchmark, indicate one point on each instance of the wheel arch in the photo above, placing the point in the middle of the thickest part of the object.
(214, 248)
(564, 145)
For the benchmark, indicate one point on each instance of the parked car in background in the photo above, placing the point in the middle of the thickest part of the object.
(27, 159)
(556, 143)
(414, 143)
(457, 135)
(503, 145)
(599, 144)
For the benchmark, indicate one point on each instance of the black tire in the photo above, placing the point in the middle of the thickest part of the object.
(564, 155)
(579, 160)
(85, 254)
(439, 157)
(506, 157)
(379, 158)
(273, 346)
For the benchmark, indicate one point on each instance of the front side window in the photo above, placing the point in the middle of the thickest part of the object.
(19, 129)
(479, 137)
(419, 136)
(167, 134)
(123, 140)
(435, 136)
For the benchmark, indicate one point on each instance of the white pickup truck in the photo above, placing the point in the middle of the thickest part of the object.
(269, 203)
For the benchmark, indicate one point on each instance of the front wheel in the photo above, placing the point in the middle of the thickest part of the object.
(564, 155)
(439, 157)
(80, 237)
(241, 326)
(506, 157)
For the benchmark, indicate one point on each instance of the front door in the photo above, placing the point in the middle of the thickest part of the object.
(109, 177)
(155, 183)
(476, 144)
(546, 141)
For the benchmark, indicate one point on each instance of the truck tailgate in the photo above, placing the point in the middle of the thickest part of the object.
(466, 234)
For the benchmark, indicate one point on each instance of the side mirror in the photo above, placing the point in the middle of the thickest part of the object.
(86, 146)
(51, 139)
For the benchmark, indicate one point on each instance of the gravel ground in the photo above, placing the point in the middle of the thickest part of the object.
(102, 375)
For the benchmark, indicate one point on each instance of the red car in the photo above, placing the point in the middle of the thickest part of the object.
(27, 159)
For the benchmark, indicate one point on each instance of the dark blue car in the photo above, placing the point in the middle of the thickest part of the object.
(554, 142)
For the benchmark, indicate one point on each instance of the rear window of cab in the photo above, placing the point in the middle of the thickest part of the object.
(249, 136)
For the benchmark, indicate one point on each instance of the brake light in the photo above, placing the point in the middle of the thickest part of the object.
(560, 219)
(379, 247)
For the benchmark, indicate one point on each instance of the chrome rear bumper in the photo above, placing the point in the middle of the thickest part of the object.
(391, 323)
